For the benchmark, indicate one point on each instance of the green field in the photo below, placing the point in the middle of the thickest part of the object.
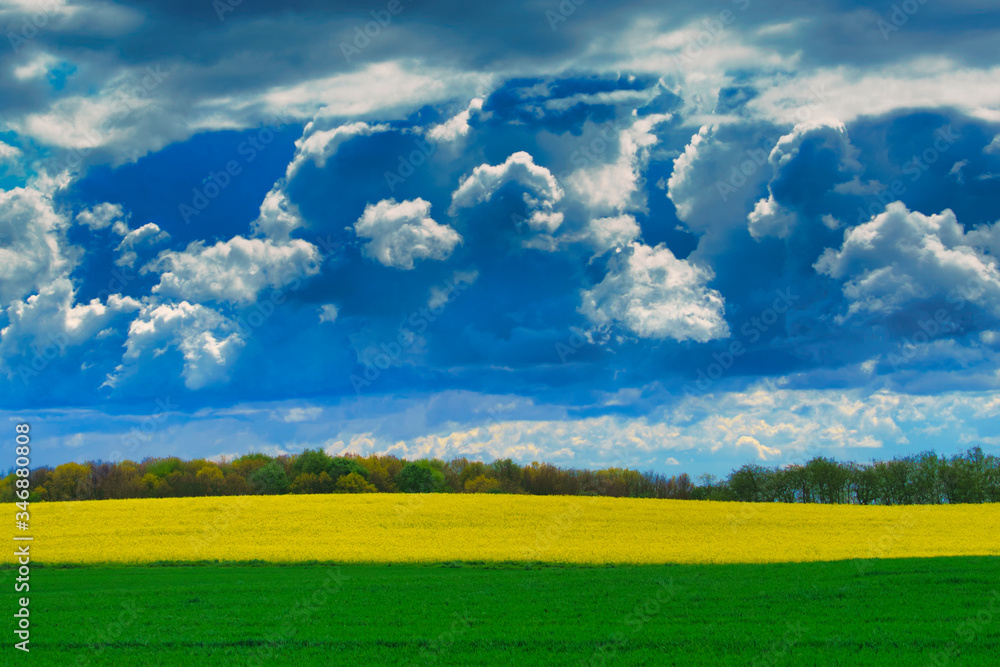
(943, 611)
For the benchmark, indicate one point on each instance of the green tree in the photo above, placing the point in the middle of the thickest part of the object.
(270, 479)
(312, 461)
(308, 482)
(70, 481)
(419, 477)
(482, 484)
(353, 482)
(747, 483)
(341, 466)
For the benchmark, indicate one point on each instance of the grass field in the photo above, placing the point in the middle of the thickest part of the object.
(446, 527)
(941, 611)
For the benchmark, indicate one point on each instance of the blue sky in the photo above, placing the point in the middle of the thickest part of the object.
(674, 236)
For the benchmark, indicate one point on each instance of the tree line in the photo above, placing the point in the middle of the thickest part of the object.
(926, 478)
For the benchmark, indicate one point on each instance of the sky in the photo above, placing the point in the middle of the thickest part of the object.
(669, 236)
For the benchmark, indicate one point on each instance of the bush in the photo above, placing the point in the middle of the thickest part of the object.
(308, 482)
(270, 480)
(354, 483)
(311, 461)
(482, 484)
(341, 466)
(419, 477)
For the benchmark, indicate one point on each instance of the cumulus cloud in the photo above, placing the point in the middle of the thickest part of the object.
(320, 145)
(103, 216)
(457, 126)
(655, 295)
(994, 146)
(208, 342)
(813, 158)
(719, 175)
(30, 253)
(606, 234)
(234, 271)
(543, 191)
(9, 155)
(901, 256)
(403, 232)
(769, 218)
(613, 187)
(328, 313)
(52, 318)
(278, 217)
(763, 451)
(146, 236)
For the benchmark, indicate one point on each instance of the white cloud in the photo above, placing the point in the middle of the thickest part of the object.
(127, 116)
(609, 233)
(146, 236)
(441, 295)
(773, 218)
(328, 313)
(717, 177)
(236, 270)
(208, 342)
(769, 218)
(543, 189)
(320, 145)
(457, 126)
(9, 154)
(994, 146)
(103, 216)
(278, 217)
(302, 414)
(901, 256)
(35, 68)
(52, 318)
(655, 295)
(403, 232)
(30, 237)
(614, 187)
(384, 88)
(849, 92)
(763, 451)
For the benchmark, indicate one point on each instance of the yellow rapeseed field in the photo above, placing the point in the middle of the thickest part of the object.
(436, 528)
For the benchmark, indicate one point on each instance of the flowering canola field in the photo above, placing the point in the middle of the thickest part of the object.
(396, 528)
